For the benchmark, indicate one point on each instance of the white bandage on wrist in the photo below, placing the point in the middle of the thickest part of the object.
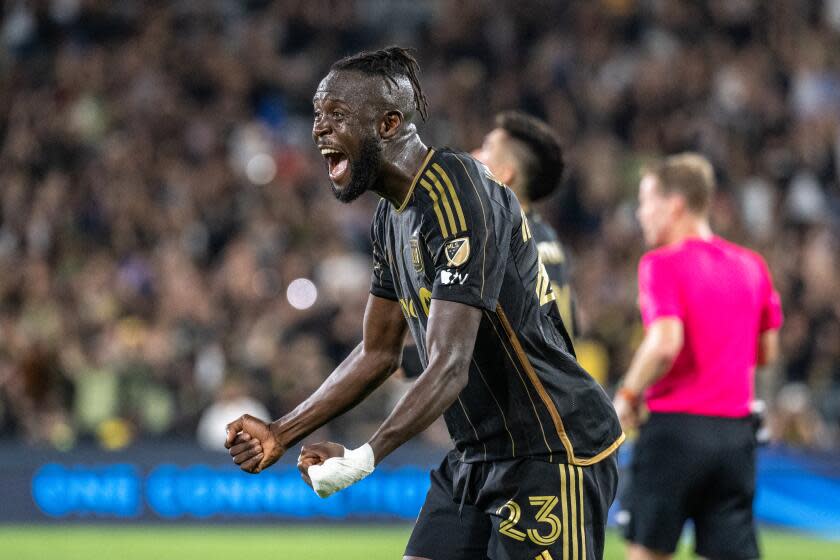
(338, 473)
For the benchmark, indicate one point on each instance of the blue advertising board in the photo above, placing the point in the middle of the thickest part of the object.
(203, 491)
(182, 483)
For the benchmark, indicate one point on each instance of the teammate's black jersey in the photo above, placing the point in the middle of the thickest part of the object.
(461, 236)
(556, 265)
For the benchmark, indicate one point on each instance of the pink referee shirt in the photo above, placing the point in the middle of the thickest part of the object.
(724, 296)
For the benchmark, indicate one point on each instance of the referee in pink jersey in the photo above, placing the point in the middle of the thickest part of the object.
(711, 315)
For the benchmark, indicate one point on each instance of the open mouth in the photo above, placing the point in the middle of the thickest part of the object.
(337, 164)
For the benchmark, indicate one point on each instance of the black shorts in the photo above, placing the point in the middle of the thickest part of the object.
(693, 467)
(519, 508)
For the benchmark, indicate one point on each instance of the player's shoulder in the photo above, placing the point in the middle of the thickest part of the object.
(749, 256)
(666, 261)
(736, 248)
(447, 185)
(541, 230)
(381, 215)
(461, 169)
(660, 255)
(454, 161)
(383, 209)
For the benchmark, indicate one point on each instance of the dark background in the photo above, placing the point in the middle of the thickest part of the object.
(160, 191)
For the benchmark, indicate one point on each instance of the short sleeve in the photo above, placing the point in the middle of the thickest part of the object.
(771, 309)
(465, 239)
(381, 282)
(659, 294)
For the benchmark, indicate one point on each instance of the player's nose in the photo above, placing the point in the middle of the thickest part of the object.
(320, 128)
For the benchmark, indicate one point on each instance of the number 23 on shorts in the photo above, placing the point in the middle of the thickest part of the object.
(545, 505)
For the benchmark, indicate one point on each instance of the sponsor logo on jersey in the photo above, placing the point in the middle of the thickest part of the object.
(450, 277)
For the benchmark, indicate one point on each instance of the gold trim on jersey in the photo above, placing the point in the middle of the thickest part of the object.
(573, 515)
(445, 201)
(501, 411)
(543, 289)
(455, 202)
(444, 198)
(436, 206)
(551, 252)
(414, 181)
(582, 516)
(526, 229)
(565, 511)
(603, 454)
(524, 386)
(467, 416)
(484, 218)
(549, 404)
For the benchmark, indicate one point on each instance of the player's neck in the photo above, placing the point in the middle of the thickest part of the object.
(690, 227)
(520, 195)
(401, 161)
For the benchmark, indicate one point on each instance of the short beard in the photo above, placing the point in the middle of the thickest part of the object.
(364, 172)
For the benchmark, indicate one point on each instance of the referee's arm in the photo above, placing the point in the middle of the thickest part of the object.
(654, 357)
(768, 347)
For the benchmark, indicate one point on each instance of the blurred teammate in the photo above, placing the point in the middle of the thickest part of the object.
(533, 471)
(524, 153)
(711, 315)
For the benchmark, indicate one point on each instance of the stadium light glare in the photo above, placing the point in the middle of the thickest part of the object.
(302, 293)
(261, 169)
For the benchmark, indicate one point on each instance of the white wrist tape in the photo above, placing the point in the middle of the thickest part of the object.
(338, 473)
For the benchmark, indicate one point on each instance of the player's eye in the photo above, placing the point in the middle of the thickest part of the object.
(316, 114)
(338, 115)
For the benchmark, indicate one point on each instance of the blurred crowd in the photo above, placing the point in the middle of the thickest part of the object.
(170, 251)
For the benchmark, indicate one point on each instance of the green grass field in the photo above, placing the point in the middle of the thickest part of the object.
(326, 542)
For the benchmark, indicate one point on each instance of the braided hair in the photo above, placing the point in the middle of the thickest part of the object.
(390, 63)
(543, 163)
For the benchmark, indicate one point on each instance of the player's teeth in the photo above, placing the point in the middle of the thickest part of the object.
(329, 151)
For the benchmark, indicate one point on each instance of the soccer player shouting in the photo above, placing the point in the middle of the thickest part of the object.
(533, 471)
(711, 315)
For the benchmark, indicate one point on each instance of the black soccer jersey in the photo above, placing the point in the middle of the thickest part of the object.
(556, 263)
(461, 236)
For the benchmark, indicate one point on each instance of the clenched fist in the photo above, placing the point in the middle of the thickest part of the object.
(252, 444)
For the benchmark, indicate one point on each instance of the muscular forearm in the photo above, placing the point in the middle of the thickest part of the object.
(648, 365)
(450, 340)
(660, 347)
(357, 376)
(433, 392)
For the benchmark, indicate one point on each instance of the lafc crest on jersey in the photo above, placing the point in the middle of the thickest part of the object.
(457, 251)
(416, 257)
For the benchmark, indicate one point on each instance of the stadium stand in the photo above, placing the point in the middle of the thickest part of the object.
(160, 191)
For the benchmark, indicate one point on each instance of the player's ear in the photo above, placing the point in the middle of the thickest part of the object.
(678, 204)
(390, 124)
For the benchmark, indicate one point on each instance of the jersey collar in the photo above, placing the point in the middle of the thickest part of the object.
(416, 178)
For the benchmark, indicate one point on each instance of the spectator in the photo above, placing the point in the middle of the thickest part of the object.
(233, 399)
(159, 191)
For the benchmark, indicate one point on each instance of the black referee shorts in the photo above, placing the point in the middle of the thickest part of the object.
(693, 467)
(515, 509)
